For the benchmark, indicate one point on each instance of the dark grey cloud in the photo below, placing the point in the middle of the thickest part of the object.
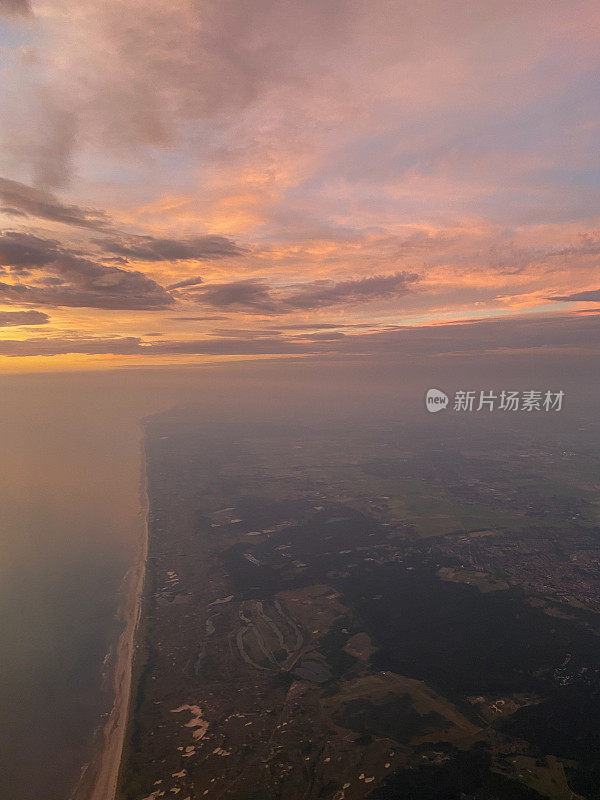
(25, 250)
(328, 293)
(232, 346)
(246, 295)
(255, 296)
(15, 7)
(149, 248)
(592, 294)
(589, 245)
(186, 282)
(201, 318)
(317, 326)
(129, 292)
(543, 334)
(322, 336)
(45, 205)
(481, 336)
(315, 332)
(56, 276)
(244, 333)
(11, 318)
(12, 212)
(46, 346)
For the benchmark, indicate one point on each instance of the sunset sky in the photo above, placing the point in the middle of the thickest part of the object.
(192, 181)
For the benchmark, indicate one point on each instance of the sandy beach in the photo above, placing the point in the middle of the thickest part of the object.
(103, 783)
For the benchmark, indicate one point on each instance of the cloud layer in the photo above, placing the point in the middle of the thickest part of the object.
(49, 275)
(306, 171)
(593, 295)
(553, 333)
(20, 199)
(255, 296)
(14, 7)
(149, 248)
(14, 318)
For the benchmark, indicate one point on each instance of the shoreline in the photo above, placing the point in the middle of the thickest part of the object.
(102, 783)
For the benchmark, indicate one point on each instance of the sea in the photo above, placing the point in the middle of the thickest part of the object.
(69, 531)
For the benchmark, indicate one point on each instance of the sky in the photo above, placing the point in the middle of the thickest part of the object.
(192, 182)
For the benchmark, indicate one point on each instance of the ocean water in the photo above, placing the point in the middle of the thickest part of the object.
(69, 527)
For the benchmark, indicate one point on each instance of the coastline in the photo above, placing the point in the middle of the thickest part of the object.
(102, 783)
